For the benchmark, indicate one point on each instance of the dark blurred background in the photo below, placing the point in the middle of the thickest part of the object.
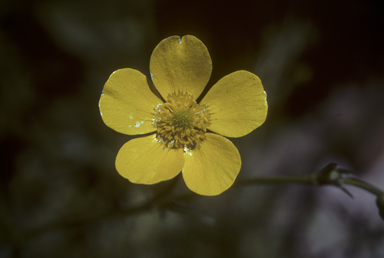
(322, 66)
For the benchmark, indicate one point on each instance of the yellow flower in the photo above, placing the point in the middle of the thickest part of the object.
(182, 131)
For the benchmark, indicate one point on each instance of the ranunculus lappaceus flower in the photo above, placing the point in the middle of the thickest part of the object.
(181, 134)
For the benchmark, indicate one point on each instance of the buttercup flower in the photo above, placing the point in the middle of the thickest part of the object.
(185, 135)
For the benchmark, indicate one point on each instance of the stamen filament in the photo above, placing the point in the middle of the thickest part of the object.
(180, 122)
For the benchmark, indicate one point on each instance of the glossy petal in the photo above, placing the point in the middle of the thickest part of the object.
(180, 64)
(143, 161)
(237, 104)
(127, 102)
(213, 168)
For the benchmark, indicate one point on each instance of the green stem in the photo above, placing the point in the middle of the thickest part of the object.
(309, 180)
(327, 176)
(277, 180)
(363, 185)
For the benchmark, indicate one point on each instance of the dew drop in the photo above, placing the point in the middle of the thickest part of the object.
(137, 124)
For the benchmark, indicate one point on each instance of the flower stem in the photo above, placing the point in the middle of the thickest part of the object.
(277, 180)
(329, 175)
(363, 185)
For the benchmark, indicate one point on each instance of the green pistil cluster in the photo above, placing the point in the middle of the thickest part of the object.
(182, 119)
(181, 122)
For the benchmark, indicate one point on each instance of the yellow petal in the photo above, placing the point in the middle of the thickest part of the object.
(237, 104)
(143, 161)
(212, 169)
(180, 64)
(127, 102)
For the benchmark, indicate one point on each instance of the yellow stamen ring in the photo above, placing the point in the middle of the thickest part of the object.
(180, 122)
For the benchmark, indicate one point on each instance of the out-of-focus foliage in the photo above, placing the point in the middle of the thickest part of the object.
(321, 64)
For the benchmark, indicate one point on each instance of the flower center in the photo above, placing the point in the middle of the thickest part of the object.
(181, 122)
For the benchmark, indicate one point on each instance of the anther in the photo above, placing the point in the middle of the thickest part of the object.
(181, 122)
